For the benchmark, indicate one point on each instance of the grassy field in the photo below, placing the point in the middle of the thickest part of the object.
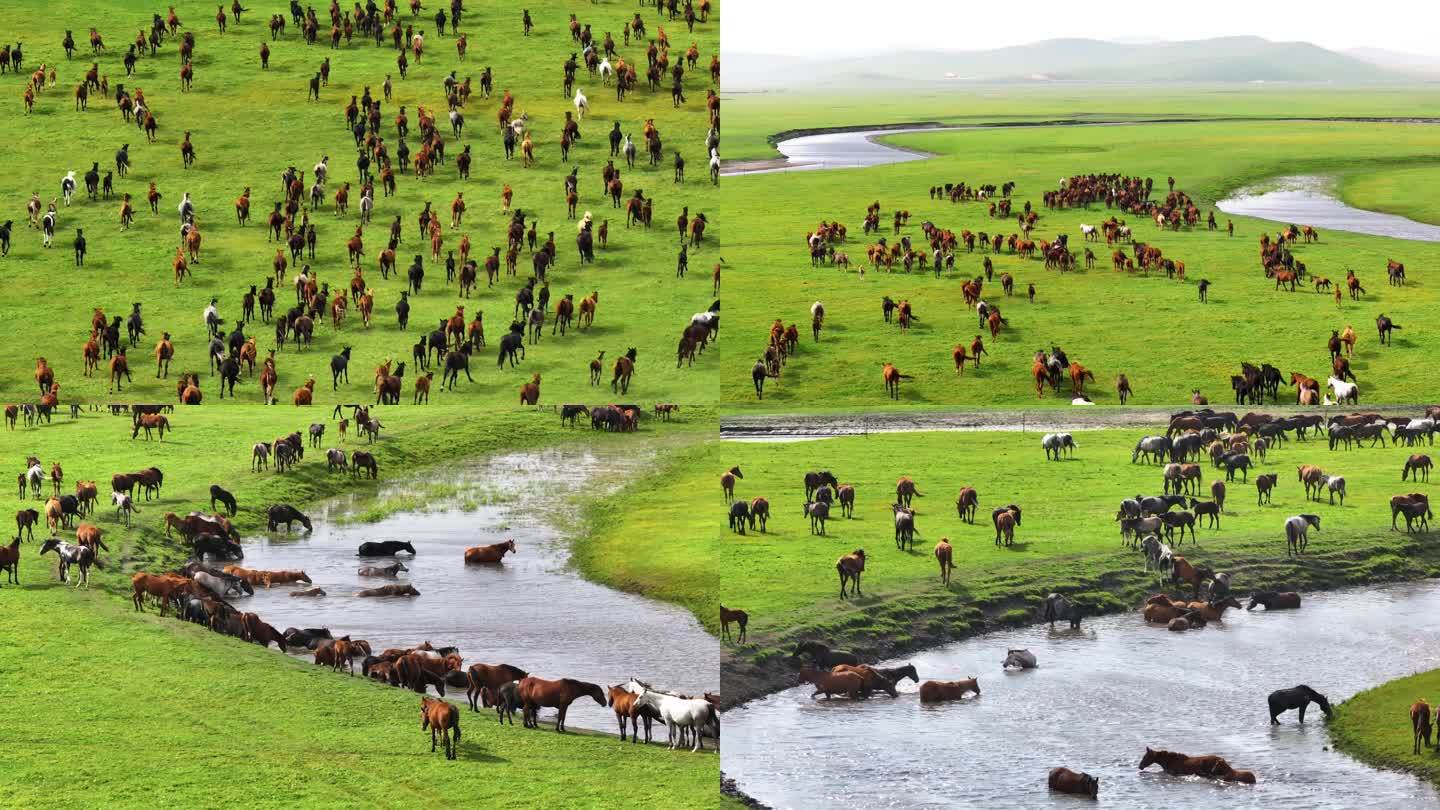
(1398, 191)
(1373, 726)
(751, 118)
(1067, 541)
(249, 124)
(174, 714)
(1100, 318)
(648, 539)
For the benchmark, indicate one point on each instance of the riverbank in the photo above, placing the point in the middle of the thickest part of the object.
(1374, 726)
(1067, 541)
(298, 734)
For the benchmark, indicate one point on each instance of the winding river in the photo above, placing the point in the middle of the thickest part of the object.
(1298, 199)
(534, 611)
(1099, 697)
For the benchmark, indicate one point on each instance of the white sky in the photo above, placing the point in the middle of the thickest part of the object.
(825, 27)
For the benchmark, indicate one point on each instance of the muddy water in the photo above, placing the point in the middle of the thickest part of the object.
(533, 611)
(1098, 698)
(1308, 200)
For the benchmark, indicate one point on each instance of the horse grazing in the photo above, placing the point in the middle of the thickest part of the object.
(1300, 698)
(938, 691)
(1420, 723)
(440, 715)
(1419, 464)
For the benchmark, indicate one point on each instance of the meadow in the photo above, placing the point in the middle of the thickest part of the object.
(1152, 329)
(1067, 541)
(1373, 726)
(753, 118)
(249, 124)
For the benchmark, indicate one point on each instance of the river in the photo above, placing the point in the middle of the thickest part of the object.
(1097, 700)
(534, 611)
(1305, 199)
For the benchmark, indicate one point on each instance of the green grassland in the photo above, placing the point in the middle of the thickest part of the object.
(248, 125)
(1374, 726)
(752, 118)
(1100, 318)
(163, 713)
(1408, 192)
(648, 539)
(1068, 540)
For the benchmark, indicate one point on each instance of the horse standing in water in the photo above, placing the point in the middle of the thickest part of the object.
(1299, 698)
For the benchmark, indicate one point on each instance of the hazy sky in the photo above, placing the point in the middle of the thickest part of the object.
(805, 27)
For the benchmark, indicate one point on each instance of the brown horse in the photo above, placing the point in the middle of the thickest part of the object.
(966, 504)
(485, 681)
(624, 704)
(493, 553)
(1064, 780)
(739, 617)
(892, 378)
(1420, 723)
(1419, 464)
(440, 715)
(1212, 767)
(938, 691)
(905, 490)
(850, 567)
(943, 553)
(727, 482)
(833, 683)
(530, 392)
(537, 693)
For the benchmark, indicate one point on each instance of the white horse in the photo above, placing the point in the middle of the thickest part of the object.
(47, 226)
(1345, 391)
(67, 186)
(367, 205)
(35, 475)
(582, 104)
(1089, 232)
(457, 122)
(123, 507)
(186, 208)
(322, 169)
(817, 309)
(677, 712)
(1335, 483)
(715, 165)
(584, 222)
(629, 150)
(606, 72)
(517, 125)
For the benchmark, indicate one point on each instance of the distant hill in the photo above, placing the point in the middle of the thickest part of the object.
(1223, 60)
(1415, 63)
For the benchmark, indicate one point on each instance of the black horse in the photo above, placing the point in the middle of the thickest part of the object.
(823, 656)
(511, 344)
(739, 516)
(221, 548)
(287, 514)
(1300, 697)
(384, 548)
(218, 493)
(815, 480)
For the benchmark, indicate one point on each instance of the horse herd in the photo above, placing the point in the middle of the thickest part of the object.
(841, 673)
(1131, 195)
(290, 223)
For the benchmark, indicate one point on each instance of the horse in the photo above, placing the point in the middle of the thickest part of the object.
(390, 571)
(80, 556)
(850, 567)
(1064, 780)
(384, 548)
(1300, 698)
(1211, 766)
(678, 713)
(1295, 532)
(943, 554)
(493, 553)
(1057, 607)
(727, 482)
(1420, 723)
(1419, 464)
(1054, 443)
(938, 691)
(905, 530)
(440, 715)
(536, 693)
(484, 682)
(739, 617)
(833, 683)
